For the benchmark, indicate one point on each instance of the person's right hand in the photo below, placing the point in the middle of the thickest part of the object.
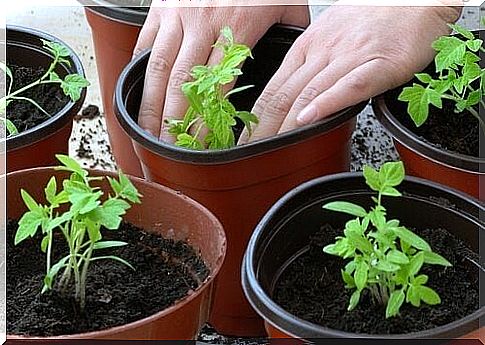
(182, 38)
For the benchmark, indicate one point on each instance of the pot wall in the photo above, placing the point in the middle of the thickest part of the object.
(114, 41)
(162, 211)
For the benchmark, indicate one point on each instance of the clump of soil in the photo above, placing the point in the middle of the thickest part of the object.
(311, 288)
(166, 271)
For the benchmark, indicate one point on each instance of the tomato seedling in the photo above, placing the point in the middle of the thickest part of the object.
(460, 78)
(81, 224)
(209, 105)
(71, 85)
(386, 257)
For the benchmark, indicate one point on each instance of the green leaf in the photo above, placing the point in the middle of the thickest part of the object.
(12, 130)
(473, 98)
(428, 295)
(50, 276)
(51, 190)
(71, 164)
(238, 89)
(462, 31)
(416, 263)
(424, 77)
(189, 142)
(57, 49)
(348, 279)
(58, 221)
(354, 300)
(30, 202)
(387, 266)
(451, 51)
(339, 248)
(394, 304)
(391, 191)
(474, 45)
(114, 258)
(109, 214)
(45, 243)
(411, 238)
(360, 275)
(247, 118)
(346, 207)
(420, 280)
(128, 190)
(108, 244)
(391, 173)
(397, 257)
(435, 259)
(72, 86)
(372, 178)
(419, 100)
(412, 296)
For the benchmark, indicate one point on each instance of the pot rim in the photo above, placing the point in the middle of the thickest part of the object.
(122, 14)
(237, 153)
(413, 142)
(57, 121)
(267, 308)
(179, 303)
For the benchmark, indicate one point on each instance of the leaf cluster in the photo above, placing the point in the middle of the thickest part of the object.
(71, 85)
(209, 105)
(385, 256)
(459, 78)
(80, 224)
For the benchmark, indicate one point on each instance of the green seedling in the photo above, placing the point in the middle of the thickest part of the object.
(81, 224)
(71, 85)
(385, 256)
(209, 106)
(460, 78)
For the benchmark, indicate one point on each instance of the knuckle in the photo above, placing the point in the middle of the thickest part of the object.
(179, 77)
(159, 64)
(149, 111)
(279, 104)
(357, 84)
(308, 95)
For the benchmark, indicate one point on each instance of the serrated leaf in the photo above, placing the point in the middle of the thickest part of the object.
(28, 226)
(128, 190)
(189, 142)
(451, 51)
(424, 77)
(419, 100)
(346, 207)
(394, 304)
(474, 45)
(462, 31)
(72, 86)
(57, 49)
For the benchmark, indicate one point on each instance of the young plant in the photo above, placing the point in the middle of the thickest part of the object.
(460, 78)
(80, 224)
(209, 106)
(71, 85)
(385, 256)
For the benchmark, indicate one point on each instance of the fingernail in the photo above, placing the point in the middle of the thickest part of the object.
(307, 115)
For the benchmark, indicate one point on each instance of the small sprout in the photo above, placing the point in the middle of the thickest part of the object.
(386, 257)
(71, 85)
(460, 78)
(80, 224)
(209, 106)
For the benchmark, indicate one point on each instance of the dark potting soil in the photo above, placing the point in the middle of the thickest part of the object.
(166, 271)
(444, 128)
(50, 97)
(311, 288)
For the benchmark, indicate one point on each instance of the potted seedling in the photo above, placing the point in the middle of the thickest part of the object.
(235, 182)
(436, 120)
(90, 266)
(45, 88)
(113, 52)
(369, 256)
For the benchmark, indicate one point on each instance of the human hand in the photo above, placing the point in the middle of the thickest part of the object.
(349, 54)
(182, 38)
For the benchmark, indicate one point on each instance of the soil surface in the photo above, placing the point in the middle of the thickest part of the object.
(50, 97)
(312, 289)
(444, 128)
(166, 271)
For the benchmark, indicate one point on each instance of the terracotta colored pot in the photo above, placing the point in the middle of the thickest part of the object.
(39, 145)
(241, 183)
(114, 32)
(164, 212)
(427, 205)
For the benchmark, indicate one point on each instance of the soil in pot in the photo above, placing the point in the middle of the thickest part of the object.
(50, 97)
(166, 271)
(311, 288)
(444, 128)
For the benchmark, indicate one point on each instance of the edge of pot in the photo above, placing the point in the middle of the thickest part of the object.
(64, 115)
(268, 307)
(179, 303)
(412, 141)
(122, 14)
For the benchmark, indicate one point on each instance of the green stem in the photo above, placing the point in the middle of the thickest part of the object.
(477, 116)
(25, 88)
(86, 259)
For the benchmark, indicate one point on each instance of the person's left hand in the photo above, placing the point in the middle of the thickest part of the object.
(348, 55)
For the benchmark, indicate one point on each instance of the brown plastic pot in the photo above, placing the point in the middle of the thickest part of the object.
(287, 227)
(39, 145)
(241, 183)
(114, 32)
(163, 212)
(425, 160)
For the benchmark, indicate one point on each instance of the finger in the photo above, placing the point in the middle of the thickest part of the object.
(322, 81)
(273, 96)
(148, 32)
(194, 51)
(164, 52)
(365, 81)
